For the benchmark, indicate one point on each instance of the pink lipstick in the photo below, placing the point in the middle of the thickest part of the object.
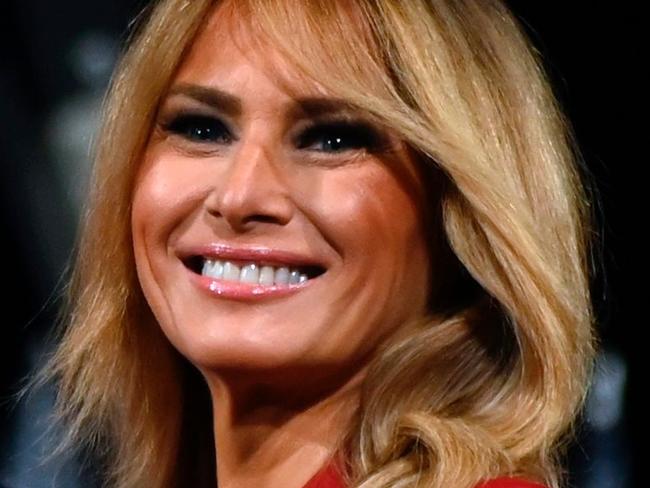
(193, 257)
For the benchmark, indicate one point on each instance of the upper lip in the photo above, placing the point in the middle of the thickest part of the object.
(259, 254)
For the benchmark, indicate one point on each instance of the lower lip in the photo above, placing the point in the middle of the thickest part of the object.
(245, 291)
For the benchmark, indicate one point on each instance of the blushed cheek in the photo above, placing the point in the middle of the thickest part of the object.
(168, 190)
(395, 244)
(146, 197)
(142, 217)
(386, 219)
(377, 225)
(152, 208)
(149, 269)
(157, 192)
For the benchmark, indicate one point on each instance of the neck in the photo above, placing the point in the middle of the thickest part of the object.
(268, 436)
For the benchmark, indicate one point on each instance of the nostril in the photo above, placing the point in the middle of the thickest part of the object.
(261, 218)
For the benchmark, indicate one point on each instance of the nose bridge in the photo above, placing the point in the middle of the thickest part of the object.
(253, 188)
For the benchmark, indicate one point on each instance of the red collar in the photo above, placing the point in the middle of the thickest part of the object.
(329, 477)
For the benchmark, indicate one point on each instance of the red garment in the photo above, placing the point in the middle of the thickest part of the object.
(509, 483)
(329, 477)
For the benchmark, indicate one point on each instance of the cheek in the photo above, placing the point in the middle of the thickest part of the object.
(169, 189)
(372, 215)
(165, 193)
(376, 224)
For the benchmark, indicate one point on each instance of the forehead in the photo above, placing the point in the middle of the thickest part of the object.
(230, 46)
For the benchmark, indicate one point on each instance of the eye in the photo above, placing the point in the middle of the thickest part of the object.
(199, 128)
(336, 137)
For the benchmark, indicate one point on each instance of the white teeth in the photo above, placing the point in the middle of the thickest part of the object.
(267, 274)
(252, 273)
(230, 271)
(213, 269)
(249, 274)
(294, 277)
(282, 276)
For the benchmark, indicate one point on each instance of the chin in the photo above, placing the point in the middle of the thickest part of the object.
(216, 347)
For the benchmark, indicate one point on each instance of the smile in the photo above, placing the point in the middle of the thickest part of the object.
(252, 273)
(245, 274)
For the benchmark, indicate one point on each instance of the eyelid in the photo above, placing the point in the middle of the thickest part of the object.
(167, 117)
(179, 105)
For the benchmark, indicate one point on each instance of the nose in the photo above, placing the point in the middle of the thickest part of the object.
(251, 191)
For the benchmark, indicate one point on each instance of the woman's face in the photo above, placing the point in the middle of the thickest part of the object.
(242, 171)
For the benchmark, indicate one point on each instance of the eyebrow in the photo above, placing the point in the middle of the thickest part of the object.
(306, 107)
(221, 100)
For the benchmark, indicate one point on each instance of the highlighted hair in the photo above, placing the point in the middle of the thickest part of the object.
(492, 381)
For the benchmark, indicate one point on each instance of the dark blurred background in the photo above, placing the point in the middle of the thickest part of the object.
(55, 64)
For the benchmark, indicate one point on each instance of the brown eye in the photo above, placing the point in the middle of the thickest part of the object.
(200, 128)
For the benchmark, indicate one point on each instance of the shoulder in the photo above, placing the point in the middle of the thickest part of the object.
(509, 483)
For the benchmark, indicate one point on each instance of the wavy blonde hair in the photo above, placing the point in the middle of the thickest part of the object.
(494, 384)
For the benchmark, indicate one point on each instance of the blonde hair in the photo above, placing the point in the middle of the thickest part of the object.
(492, 386)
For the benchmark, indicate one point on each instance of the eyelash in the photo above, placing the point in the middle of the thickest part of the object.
(359, 135)
(340, 135)
(210, 129)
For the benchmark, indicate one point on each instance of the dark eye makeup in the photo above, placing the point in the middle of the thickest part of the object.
(198, 128)
(329, 136)
(340, 136)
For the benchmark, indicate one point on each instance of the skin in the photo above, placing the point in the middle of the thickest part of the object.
(284, 375)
